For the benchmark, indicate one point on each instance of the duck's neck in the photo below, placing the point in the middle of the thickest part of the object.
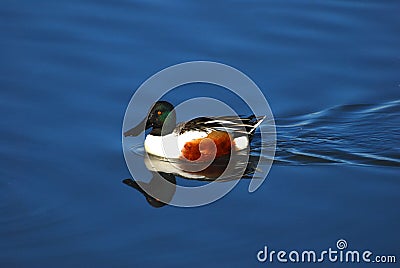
(160, 131)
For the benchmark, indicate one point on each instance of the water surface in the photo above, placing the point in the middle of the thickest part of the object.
(329, 70)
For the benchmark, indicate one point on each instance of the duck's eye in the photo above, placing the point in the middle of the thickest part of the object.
(159, 113)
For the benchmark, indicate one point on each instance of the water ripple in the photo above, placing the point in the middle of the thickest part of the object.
(358, 134)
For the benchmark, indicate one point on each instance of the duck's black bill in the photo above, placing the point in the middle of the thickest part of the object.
(142, 126)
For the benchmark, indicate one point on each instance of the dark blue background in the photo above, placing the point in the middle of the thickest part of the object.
(68, 70)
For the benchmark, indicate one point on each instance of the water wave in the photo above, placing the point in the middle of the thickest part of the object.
(358, 134)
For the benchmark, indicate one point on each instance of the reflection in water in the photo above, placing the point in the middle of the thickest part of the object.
(164, 171)
(155, 183)
(362, 135)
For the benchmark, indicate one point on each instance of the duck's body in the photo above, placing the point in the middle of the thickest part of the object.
(197, 139)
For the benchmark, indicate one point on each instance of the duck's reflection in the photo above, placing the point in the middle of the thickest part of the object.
(163, 182)
(156, 184)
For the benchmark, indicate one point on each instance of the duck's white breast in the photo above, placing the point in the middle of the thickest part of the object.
(163, 146)
(171, 145)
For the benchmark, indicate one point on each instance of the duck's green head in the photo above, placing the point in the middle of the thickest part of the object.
(161, 119)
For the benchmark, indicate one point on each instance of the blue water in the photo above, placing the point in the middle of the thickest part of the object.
(330, 71)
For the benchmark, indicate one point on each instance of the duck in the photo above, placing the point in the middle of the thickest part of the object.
(198, 139)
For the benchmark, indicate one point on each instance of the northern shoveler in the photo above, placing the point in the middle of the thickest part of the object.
(196, 139)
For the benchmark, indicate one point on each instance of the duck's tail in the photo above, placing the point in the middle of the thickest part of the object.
(252, 122)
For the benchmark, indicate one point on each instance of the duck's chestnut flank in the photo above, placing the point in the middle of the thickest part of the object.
(216, 144)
